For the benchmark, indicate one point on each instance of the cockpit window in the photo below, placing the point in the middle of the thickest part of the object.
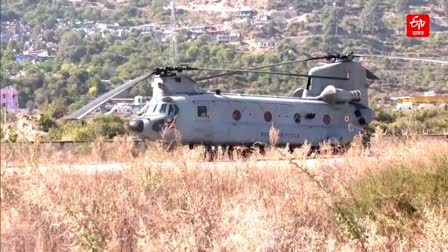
(163, 108)
(170, 110)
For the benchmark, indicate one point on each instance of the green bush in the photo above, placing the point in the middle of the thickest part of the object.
(75, 131)
(104, 126)
(109, 126)
(396, 196)
(430, 120)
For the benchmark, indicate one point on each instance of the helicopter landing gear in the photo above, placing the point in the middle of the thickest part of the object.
(314, 150)
(230, 150)
(244, 152)
(340, 149)
(290, 149)
(210, 153)
(262, 150)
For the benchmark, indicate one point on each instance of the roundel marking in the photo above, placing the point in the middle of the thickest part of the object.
(346, 119)
(267, 116)
(236, 115)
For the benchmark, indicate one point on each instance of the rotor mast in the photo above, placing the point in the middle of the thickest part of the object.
(173, 43)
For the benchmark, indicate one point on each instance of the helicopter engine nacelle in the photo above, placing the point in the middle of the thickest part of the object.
(334, 95)
(356, 80)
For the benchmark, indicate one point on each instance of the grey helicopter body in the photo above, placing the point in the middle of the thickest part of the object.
(323, 112)
(334, 107)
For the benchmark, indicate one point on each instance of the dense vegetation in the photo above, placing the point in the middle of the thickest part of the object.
(82, 62)
(393, 122)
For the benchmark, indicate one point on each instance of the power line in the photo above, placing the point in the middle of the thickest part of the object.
(173, 33)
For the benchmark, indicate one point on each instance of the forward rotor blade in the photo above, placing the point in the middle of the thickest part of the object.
(403, 58)
(370, 75)
(256, 68)
(82, 112)
(235, 71)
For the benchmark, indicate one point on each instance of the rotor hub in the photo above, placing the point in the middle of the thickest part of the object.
(172, 70)
(340, 57)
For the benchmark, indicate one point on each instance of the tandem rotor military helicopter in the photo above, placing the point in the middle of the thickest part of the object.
(334, 106)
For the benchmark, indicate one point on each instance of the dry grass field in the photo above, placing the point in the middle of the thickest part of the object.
(395, 197)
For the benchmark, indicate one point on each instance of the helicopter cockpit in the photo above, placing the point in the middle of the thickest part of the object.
(169, 109)
(153, 117)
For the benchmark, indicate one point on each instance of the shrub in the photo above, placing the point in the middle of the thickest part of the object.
(109, 126)
(418, 121)
(104, 126)
(396, 196)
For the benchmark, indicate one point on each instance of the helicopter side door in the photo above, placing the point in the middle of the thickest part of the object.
(202, 123)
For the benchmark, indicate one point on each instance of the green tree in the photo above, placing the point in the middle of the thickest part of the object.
(445, 7)
(7, 59)
(329, 19)
(400, 6)
(372, 18)
(72, 46)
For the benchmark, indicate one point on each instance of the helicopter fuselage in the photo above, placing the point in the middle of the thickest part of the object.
(215, 119)
(333, 107)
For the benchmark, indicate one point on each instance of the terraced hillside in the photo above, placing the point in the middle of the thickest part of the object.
(96, 45)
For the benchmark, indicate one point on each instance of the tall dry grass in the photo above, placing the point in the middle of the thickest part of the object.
(292, 205)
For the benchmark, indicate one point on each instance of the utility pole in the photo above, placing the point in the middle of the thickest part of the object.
(5, 112)
(173, 43)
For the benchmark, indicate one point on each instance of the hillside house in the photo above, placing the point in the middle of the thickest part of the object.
(266, 43)
(228, 37)
(9, 98)
(247, 13)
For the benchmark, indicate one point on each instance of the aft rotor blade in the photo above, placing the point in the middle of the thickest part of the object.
(256, 68)
(235, 71)
(404, 58)
(85, 110)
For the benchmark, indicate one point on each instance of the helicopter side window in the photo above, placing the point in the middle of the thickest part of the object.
(163, 108)
(267, 116)
(202, 111)
(310, 116)
(155, 108)
(176, 109)
(327, 119)
(297, 117)
(236, 115)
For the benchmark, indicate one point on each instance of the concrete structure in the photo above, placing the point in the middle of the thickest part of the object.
(428, 100)
(9, 98)
(266, 43)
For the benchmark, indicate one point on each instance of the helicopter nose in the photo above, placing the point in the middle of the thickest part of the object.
(136, 125)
